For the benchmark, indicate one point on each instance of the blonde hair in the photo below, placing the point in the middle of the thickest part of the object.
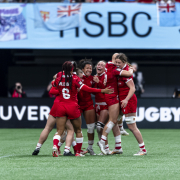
(123, 58)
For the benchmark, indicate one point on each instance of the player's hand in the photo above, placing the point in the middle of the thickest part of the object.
(131, 68)
(107, 90)
(105, 81)
(96, 79)
(54, 77)
(124, 103)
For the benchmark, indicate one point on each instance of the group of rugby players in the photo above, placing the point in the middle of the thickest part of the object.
(113, 88)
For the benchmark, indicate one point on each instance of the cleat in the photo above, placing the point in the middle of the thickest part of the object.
(140, 153)
(100, 154)
(83, 152)
(79, 155)
(102, 148)
(123, 132)
(68, 153)
(91, 151)
(117, 151)
(55, 151)
(109, 152)
(36, 152)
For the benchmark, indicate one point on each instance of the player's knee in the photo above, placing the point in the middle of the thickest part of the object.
(90, 128)
(99, 126)
(109, 125)
(130, 119)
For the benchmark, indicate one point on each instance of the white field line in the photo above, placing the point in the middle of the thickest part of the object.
(6, 156)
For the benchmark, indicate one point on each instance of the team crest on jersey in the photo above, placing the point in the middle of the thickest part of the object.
(80, 83)
(91, 82)
(82, 80)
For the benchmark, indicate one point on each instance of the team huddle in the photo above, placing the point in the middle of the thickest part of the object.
(113, 88)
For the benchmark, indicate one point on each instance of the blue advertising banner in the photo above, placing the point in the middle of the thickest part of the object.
(103, 26)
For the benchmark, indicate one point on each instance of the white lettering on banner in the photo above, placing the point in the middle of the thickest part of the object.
(140, 117)
(31, 112)
(152, 114)
(21, 113)
(176, 113)
(165, 114)
(9, 114)
(44, 112)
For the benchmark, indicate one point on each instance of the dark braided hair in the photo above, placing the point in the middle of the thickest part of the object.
(83, 62)
(67, 67)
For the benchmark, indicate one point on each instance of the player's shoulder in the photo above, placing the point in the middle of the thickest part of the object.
(75, 77)
(110, 66)
(59, 74)
(126, 67)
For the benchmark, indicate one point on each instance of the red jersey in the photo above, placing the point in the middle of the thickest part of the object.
(122, 86)
(99, 97)
(83, 96)
(66, 94)
(112, 72)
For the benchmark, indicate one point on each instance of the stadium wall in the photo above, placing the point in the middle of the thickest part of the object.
(162, 113)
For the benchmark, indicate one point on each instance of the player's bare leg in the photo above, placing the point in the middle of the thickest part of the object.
(44, 134)
(113, 115)
(101, 121)
(60, 123)
(79, 137)
(69, 138)
(133, 128)
(90, 117)
(120, 124)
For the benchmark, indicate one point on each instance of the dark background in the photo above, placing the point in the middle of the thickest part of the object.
(35, 68)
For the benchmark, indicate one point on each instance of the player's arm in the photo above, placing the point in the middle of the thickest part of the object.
(94, 90)
(120, 72)
(126, 73)
(132, 89)
(54, 91)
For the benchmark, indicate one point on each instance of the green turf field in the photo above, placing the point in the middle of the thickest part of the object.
(17, 163)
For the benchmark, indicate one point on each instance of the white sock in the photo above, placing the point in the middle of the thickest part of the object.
(118, 142)
(90, 144)
(103, 139)
(121, 126)
(60, 144)
(38, 146)
(67, 149)
(107, 147)
(73, 143)
(142, 146)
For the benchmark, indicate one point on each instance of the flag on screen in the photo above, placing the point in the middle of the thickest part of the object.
(12, 23)
(168, 14)
(57, 17)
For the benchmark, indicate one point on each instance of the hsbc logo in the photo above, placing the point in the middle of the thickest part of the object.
(34, 113)
(162, 114)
